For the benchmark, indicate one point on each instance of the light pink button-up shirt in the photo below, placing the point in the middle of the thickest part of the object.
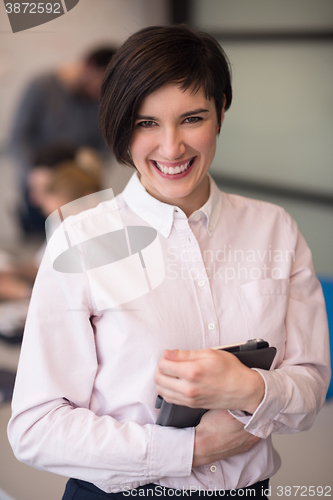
(236, 269)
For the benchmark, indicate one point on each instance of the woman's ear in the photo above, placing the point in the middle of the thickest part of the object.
(222, 113)
(223, 108)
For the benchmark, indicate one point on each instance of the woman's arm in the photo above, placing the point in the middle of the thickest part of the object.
(282, 400)
(52, 426)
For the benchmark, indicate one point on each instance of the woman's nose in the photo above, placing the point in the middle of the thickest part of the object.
(172, 145)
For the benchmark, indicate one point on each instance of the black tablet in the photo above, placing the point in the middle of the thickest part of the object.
(255, 353)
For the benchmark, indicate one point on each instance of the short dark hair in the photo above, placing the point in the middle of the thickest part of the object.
(153, 57)
(100, 57)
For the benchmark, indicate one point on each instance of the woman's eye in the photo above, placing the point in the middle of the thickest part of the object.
(192, 119)
(145, 124)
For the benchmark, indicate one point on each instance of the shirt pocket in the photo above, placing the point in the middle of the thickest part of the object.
(264, 306)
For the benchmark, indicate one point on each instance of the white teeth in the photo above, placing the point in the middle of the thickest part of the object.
(172, 170)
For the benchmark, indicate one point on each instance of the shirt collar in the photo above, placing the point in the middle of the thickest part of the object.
(161, 215)
(211, 209)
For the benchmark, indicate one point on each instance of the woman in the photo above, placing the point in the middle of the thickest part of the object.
(203, 269)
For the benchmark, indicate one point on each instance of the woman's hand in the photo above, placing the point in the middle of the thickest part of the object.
(12, 288)
(219, 436)
(209, 379)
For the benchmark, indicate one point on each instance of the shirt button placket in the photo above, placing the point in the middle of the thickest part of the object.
(207, 312)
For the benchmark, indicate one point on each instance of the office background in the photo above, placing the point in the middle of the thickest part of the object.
(276, 144)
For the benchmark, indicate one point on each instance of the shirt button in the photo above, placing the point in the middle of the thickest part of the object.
(213, 468)
(201, 283)
(254, 426)
(211, 326)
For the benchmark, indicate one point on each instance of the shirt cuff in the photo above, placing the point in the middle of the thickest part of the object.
(171, 452)
(262, 423)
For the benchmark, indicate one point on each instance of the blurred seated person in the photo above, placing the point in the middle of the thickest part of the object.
(47, 159)
(69, 182)
(59, 106)
(43, 161)
(52, 188)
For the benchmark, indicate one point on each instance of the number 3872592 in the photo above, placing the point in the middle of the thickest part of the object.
(33, 8)
(304, 491)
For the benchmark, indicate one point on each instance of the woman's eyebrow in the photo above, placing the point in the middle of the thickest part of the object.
(183, 115)
(146, 117)
(194, 112)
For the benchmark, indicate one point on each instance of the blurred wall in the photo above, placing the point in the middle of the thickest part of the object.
(279, 128)
(263, 14)
(280, 124)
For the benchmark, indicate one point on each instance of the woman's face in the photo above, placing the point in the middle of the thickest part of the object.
(39, 178)
(173, 145)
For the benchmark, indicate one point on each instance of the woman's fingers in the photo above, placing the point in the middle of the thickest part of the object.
(201, 379)
(219, 436)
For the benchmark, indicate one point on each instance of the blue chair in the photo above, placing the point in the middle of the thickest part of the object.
(327, 284)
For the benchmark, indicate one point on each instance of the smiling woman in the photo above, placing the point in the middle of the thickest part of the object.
(173, 150)
(166, 119)
(100, 345)
(160, 56)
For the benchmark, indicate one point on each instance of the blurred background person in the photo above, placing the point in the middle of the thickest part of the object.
(16, 278)
(78, 174)
(61, 106)
(45, 162)
(69, 182)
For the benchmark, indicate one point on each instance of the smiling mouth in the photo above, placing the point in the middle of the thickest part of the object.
(179, 169)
